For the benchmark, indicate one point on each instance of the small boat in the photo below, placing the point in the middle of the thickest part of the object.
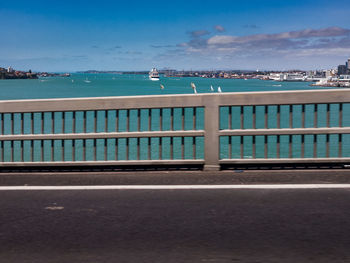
(87, 81)
(211, 88)
(219, 90)
(153, 74)
(194, 87)
(161, 86)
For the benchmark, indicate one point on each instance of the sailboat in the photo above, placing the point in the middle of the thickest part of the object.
(219, 90)
(194, 87)
(87, 81)
(211, 88)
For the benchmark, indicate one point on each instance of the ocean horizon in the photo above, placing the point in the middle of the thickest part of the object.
(107, 84)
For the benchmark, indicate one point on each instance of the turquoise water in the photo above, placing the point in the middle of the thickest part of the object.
(101, 85)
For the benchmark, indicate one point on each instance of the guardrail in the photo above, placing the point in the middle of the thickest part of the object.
(209, 130)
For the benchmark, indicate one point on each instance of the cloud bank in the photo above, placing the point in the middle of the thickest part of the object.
(332, 40)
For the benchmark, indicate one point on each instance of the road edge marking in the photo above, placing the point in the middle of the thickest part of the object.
(173, 187)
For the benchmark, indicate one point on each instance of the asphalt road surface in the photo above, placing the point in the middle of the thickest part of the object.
(232, 225)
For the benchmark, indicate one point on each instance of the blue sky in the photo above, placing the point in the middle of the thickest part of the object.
(138, 35)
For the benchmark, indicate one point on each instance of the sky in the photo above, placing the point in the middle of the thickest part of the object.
(199, 35)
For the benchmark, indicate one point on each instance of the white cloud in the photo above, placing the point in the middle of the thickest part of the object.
(219, 40)
(219, 28)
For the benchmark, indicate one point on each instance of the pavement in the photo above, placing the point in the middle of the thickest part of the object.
(305, 223)
(178, 177)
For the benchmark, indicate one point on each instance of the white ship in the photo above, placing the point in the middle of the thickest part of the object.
(153, 74)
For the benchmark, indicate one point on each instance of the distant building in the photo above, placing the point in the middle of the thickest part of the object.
(348, 64)
(329, 73)
(10, 70)
(342, 70)
(344, 77)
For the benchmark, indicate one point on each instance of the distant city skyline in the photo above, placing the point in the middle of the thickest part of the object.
(199, 35)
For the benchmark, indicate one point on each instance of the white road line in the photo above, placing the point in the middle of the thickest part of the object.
(175, 187)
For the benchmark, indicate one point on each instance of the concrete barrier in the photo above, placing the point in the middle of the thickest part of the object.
(198, 129)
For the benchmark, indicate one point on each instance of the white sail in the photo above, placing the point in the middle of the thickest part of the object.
(219, 90)
(194, 87)
(211, 88)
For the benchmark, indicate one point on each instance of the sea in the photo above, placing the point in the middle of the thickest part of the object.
(104, 85)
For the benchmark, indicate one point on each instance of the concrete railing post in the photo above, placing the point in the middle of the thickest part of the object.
(211, 137)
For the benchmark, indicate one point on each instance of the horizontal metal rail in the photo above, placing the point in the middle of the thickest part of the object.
(176, 101)
(286, 131)
(101, 135)
(106, 163)
(284, 160)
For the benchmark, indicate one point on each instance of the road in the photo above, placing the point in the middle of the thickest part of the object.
(215, 225)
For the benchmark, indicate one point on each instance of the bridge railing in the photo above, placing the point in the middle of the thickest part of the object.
(201, 129)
